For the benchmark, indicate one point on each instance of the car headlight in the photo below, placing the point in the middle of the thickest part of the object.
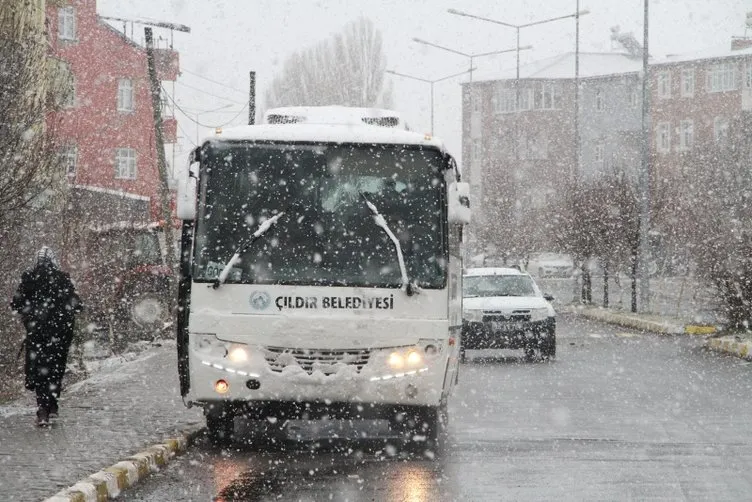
(539, 314)
(472, 315)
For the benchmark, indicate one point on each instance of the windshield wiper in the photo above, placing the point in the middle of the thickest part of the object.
(378, 218)
(244, 247)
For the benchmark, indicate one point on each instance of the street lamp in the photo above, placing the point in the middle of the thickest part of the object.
(471, 56)
(431, 82)
(199, 113)
(518, 27)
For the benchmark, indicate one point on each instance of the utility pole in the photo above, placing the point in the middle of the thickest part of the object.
(645, 174)
(161, 162)
(252, 99)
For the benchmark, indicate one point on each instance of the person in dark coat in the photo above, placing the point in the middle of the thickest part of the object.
(47, 302)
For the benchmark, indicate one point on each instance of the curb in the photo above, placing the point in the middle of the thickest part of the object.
(630, 321)
(729, 345)
(110, 482)
(627, 321)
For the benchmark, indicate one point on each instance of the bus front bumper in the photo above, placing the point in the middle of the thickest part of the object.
(256, 382)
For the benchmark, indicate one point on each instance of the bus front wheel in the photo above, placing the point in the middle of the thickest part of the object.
(220, 426)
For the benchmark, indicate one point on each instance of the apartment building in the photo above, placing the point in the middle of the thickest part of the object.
(105, 126)
(698, 101)
(519, 134)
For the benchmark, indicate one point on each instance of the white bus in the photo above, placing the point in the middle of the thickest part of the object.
(321, 272)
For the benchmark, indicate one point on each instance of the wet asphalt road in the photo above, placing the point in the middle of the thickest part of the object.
(619, 415)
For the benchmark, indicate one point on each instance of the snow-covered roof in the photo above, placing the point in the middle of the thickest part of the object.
(492, 271)
(327, 133)
(718, 52)
(592, 64)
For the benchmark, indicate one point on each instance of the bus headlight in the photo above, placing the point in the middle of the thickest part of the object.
(414, 359)
(396, 361)
(410, 358)
(237, 354)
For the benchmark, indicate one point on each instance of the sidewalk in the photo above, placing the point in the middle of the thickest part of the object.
(104, 419)
(737, 345)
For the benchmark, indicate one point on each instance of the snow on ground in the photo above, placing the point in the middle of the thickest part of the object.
(100, 366)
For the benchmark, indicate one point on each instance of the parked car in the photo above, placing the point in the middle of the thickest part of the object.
(503, 308)
(544, 265)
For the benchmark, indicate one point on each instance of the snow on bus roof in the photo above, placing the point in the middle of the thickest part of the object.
(330, 124)
(334, 115)
(327, 133)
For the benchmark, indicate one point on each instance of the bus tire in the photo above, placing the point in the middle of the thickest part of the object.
(220, 426)
(425, 430)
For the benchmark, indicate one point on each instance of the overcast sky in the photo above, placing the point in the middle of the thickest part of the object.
(229, 38)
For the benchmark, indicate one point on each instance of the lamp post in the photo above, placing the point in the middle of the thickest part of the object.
(431, 82)
(518, 27)
(199, 113)
(644, 178)
(470, 56)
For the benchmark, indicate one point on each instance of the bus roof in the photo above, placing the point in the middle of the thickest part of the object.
(330, 124)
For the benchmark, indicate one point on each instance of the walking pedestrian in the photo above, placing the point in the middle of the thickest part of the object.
(47, 302)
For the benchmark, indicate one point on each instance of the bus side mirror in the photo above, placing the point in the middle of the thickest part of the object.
(186, 197)
(459, 203)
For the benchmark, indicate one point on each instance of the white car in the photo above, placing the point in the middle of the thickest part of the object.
(503, 308)
(544, 265)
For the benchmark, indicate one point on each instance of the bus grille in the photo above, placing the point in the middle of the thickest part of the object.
(326, 361)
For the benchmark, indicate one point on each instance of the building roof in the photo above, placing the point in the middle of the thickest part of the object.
(592, 64)
(718, 52)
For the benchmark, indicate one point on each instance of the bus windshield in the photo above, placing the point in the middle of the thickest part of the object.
(327, 235)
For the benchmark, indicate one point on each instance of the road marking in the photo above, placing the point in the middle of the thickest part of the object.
(627, 335)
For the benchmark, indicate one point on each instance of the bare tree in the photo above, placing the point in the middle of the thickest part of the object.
(347, 69)
(27, 151)
(712, 215)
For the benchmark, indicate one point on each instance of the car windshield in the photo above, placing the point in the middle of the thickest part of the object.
(327, 235)
(497, 285)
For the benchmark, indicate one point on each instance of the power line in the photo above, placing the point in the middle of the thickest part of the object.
(207, 92)
(213, 81)
(188, 115)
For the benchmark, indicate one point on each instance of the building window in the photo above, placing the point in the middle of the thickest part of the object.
(507, 101)
(476, 103)
(546, 97)
(598, 100)
(476, 152)
(599, 153)
(525, 101)
(66, 23)
(663, 137)
(634, 97)
(686, 134)
(125, 95)
(720, 130)
(688, 83)
(125, 163)
(69, 159)
(664, 85)
(722, 77)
